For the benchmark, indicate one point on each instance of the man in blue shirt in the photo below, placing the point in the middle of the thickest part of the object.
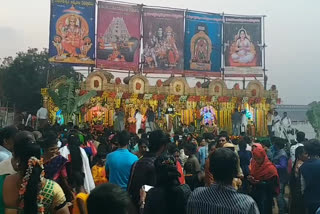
(119, 162)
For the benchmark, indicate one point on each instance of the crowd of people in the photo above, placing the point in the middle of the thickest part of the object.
(65, 169)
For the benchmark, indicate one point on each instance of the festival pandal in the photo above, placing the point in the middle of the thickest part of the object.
(174, 102)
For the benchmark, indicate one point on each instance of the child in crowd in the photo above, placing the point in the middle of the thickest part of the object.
(99, 171)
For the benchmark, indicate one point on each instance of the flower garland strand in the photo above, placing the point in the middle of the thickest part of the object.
(32, 162)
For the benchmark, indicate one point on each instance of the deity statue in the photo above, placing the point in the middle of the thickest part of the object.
(242, 49)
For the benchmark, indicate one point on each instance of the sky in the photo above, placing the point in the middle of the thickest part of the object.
(292, 29)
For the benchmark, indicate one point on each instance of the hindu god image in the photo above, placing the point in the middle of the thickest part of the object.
(242, 50)
(116, 44)
(161, 49)
(72, 41)
(201, 49)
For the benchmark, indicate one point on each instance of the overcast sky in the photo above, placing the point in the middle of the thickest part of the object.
(292, 36)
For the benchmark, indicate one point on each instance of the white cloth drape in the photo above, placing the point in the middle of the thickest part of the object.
(88, 179)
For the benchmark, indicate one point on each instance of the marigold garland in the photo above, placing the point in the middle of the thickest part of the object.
(33, 161)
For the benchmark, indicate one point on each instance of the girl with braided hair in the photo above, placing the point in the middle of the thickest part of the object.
(28, 191)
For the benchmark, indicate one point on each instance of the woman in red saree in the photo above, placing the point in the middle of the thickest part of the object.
(264, 179)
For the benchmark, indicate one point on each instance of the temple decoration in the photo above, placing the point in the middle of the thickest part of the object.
(173, 101)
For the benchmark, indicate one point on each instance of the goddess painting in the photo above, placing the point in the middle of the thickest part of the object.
(242, 50)
(72, 41)
(172, 50)
(201, 49)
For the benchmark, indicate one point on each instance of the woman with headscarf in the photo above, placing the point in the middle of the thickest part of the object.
(264, 179)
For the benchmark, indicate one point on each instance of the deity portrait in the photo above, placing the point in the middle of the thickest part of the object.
(161, 49)
(117, 44)
(201, 49)
(242, 50)
(72, 41)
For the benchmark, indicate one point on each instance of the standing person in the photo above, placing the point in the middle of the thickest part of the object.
(264, 180)
(285, 123)
(138, 117)
(280, 160)
(42, 117)
(208, 177)
(120, 118)
(7, 135)
(244, 122)
(192, 167)
(310, 172)
(168, 196)
(203, 154)
(270, 120)
(236, 122)
(276, 124)
(143, 147)
(116, 124)
(55, 165)
(99, 170)
(108, 198)
(296, 205)
(119, 162)
(300, 139)
(143, 171)
(245, 157)
(27, 191)
(80, 167)
(221, 197)
(150, 119)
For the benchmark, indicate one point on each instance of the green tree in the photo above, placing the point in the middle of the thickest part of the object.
(23, 77)
(313, 115)
(67, 100)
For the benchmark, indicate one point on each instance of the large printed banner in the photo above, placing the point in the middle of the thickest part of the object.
(72, 32)
(203, 44)
(118, 36)
(163, 41)
(243, 38)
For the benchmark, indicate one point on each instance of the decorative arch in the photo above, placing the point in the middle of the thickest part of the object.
(217, 88)
(255, 89)
(178, 86)
(139, 84)
(96, 80)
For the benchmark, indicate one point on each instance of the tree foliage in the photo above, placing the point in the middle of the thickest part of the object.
(313, 115)
(23, 77)
(67, 100)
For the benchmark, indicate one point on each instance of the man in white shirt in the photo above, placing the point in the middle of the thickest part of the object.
(276, 124)
(285, 124)
(270, 120)
(42, 117)
(300, 140)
